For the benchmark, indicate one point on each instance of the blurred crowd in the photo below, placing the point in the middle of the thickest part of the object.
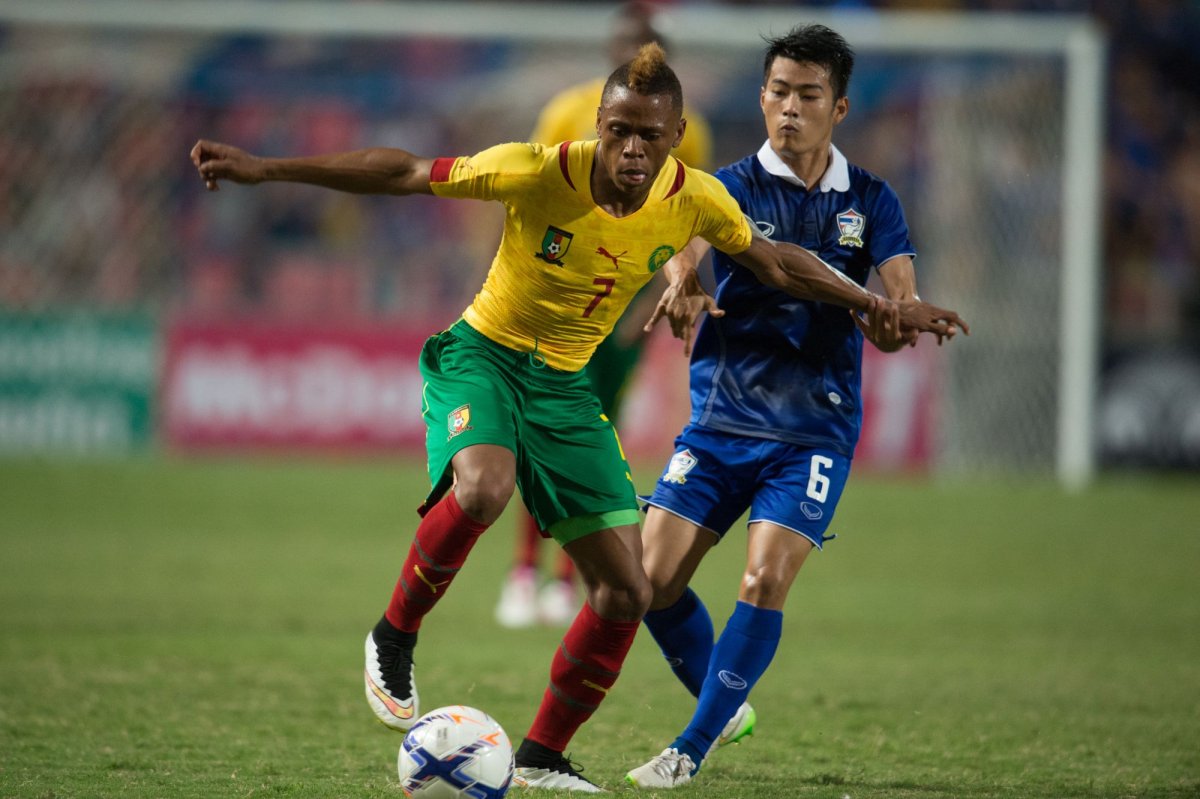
(128, 227)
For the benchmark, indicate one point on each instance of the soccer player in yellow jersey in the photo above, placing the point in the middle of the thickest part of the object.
(506, 403)
(571, 116)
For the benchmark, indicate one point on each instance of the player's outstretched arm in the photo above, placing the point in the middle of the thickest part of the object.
(374, 171)
(802, 274)
(684, 299)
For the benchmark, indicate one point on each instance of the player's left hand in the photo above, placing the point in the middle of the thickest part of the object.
(922, 317)
(682, 304)
(214, 160)
(881, 325)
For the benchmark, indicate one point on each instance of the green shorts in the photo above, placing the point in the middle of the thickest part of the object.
(571, 470)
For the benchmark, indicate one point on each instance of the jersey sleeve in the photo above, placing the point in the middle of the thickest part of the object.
(497, 173)
(722, 223)
(889, 231)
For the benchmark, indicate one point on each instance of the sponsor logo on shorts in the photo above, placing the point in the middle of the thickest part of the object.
(681, 463)
(851, 225)
(811, 512)
(458, 420)
(674, 662)
(765, 228)
(731, 680)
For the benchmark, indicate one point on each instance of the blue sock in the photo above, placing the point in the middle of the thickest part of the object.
(684, 633)
(741, 656)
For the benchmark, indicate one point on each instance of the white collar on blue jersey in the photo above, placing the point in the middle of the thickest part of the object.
(836, 177)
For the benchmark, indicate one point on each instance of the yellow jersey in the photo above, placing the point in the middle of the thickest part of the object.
(571, 116)
(566, 269)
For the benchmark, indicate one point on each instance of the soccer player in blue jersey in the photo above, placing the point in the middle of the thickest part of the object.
(776, 403)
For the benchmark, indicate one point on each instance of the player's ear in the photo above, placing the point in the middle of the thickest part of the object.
(840, 109)
(679, 132)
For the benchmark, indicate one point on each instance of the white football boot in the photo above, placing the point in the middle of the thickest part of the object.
(560, 776)
(671, 769)
(739, 727)
(391, 689)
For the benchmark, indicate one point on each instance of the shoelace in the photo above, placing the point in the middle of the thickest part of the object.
(566, 764)
(670, 765)
(395, 660)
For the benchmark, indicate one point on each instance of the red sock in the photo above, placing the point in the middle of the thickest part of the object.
(566, 566)
(529, 538)
(585, 666)
(438, 551)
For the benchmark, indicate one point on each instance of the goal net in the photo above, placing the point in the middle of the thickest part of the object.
(987, 127)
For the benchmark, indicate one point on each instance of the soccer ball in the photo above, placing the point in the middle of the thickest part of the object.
(455, 752)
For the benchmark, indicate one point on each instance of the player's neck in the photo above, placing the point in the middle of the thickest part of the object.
(612, 200)
(809, 165)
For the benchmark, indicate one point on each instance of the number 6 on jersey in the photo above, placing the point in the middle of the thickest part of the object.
(818, 483)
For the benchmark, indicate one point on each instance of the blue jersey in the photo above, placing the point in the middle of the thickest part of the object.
(774, 366)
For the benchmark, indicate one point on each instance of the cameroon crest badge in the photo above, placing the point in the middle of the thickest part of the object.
(555, 244)
(458, 421)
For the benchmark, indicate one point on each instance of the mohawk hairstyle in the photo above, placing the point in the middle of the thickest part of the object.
(647, 74)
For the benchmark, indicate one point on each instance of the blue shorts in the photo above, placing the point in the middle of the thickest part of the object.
(713, 477)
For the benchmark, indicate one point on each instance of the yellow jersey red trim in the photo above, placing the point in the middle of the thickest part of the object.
(554, 286)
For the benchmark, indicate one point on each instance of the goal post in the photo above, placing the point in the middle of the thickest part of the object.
(994, 147)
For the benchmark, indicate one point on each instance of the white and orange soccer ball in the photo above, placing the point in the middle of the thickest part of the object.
(455, 752)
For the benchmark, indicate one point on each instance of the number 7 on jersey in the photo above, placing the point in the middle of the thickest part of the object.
(607, 283)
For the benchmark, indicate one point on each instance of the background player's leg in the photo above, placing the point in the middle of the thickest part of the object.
(518, 605)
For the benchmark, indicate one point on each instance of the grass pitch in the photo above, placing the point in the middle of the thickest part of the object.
(194, 629)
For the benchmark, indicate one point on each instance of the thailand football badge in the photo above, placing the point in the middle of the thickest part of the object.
(681, 463)
(851, 225)
(555, 244)
(458, 421)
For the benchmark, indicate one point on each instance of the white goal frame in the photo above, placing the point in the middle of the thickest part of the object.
(1078, 40)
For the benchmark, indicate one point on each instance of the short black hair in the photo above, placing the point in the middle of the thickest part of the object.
(647, 74)
(814, 44)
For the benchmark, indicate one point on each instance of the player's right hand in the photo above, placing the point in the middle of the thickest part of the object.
(215, 161)
(682, 303)
(926, 318)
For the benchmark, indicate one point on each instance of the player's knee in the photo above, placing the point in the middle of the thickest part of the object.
(764, 588)
(622, 600)
(483, 497)
(666, 589)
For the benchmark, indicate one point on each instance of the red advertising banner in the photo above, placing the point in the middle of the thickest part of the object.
(241, 384)
(356, 387)
(900, 408)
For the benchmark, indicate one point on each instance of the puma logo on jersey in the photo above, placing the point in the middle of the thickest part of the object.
(610, 256)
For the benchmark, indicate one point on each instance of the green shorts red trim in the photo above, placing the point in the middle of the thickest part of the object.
(571, 470)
